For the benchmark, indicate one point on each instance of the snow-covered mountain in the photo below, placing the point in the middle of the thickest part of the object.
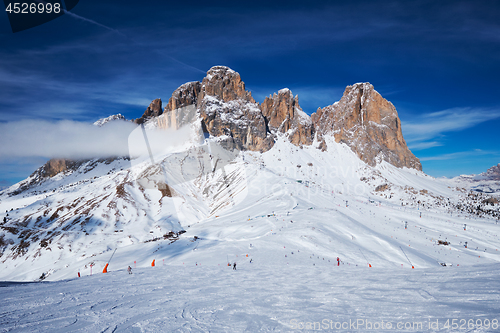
(493, 173)
(215, 177)
(487, 182)
(101, 122)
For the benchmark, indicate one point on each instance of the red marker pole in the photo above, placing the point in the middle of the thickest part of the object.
(134, 263)
(338, 261)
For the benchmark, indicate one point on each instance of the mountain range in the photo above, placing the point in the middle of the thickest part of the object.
(362, 119)
(213, 171)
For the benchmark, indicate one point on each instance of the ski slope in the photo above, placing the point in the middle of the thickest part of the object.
(291, 211)
(304, 199)
(259, 297)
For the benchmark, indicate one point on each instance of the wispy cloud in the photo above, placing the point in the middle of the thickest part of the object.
(426, 131)
(460, 155)
(425, 145)
(49, 97)
(117, 89)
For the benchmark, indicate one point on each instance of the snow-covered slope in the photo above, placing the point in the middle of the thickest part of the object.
(263, 296)
(264, 205)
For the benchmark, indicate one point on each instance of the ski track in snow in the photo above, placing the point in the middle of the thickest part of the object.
(257, 297)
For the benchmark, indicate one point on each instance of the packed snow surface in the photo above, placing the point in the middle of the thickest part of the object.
(261, 296)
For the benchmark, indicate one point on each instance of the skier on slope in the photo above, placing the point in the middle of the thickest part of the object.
(234, 266)
(129, 270)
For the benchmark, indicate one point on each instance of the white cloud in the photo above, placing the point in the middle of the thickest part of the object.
(63, 139)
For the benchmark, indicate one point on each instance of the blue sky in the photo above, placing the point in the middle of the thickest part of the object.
(438, 62)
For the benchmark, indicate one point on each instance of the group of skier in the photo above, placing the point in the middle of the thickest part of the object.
(129, 269)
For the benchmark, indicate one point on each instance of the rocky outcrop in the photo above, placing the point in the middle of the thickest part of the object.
(185, 95)
(368, 124)
(54, 166)
(381, 188)
(50, 169)
(58, 165)
(229, 111)
(284, 114)
(154, 110)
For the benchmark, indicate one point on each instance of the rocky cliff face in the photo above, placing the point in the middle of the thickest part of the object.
(154, 110)
(182, 106)
(285, 115)
(185, 95)
(54, 166)
(368, 124)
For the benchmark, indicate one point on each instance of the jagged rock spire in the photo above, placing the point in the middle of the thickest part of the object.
(284, 114)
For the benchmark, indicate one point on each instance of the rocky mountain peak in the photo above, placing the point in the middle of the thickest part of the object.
(225, 84)
(229, 111)
(284, 114)
(368, 124)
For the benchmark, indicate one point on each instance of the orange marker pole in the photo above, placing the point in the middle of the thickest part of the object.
(105, 270)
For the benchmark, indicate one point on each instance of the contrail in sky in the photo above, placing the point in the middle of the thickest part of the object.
(92, 21)
(118, 32)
